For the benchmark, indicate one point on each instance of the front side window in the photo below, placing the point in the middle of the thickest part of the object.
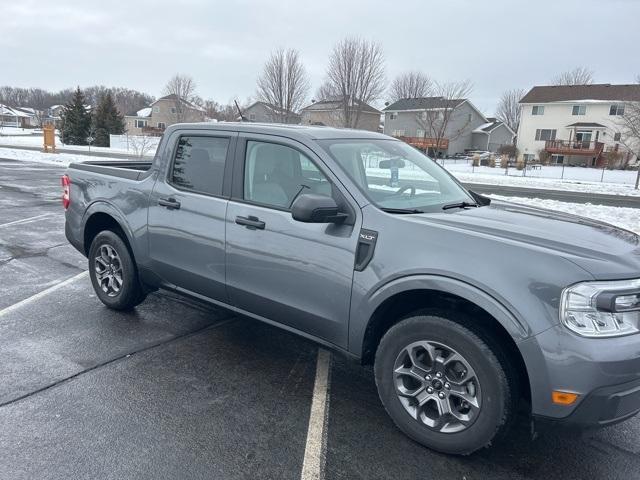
(545, 134)
(616, 109)
(537, 110)
(579, 110)
(199, 164)
(394, 175)
(275, 175)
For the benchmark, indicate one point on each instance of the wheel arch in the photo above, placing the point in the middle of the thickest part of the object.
(495, 323)
(102, 216)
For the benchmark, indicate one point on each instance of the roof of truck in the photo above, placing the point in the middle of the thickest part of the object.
(314, 132)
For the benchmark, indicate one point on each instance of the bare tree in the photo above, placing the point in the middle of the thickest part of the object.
(629, 125)
(183, 88)
(441, 113)
(577, 76)
(355, 77)
(284, 83)
(410, 85)
(509, 110)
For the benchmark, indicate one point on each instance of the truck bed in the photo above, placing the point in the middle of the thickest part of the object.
(129, 169)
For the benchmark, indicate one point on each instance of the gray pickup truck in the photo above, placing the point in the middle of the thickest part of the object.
(469, 309)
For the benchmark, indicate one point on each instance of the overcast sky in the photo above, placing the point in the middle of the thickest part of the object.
(498, 44)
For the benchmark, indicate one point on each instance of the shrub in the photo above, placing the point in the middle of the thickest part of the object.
(504, 161)
(492, 161)
(520, 164)
(476, 160)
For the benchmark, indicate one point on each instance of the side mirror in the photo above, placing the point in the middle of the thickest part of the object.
(314, 208)
(398, 163)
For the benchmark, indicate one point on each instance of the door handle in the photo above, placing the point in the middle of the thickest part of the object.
(171, 203)
(251, 222)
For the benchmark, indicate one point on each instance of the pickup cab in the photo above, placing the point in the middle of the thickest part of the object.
(468, 309)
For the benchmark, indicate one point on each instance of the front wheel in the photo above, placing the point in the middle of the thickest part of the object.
(442, 384)
(113, 273)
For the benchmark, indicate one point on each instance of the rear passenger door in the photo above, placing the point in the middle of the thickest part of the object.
(186, 222)
(294, 273)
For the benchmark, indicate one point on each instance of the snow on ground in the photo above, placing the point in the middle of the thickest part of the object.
(576, 179)
(62, 159)
(27, 140)
(628, 218)
(20, 132)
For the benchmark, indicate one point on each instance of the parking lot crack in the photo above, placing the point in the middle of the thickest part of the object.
(114, 360)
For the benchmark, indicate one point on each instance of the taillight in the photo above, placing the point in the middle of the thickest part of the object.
(66, 191)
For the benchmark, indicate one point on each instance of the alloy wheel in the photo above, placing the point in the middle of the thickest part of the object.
(108, 270)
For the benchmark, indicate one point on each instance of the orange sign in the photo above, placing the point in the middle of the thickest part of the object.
(49, 132)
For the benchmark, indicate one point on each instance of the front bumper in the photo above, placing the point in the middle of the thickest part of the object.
(604, 406)
(605, 373)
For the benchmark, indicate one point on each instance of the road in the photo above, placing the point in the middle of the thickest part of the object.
(178, 389)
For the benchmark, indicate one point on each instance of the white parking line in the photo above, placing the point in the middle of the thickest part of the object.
(43, 293)
(315, 452)
(26, 220)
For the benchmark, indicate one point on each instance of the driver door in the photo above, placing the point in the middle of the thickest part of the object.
(289, 272)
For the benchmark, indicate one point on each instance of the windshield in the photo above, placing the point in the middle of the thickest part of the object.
(394, 175)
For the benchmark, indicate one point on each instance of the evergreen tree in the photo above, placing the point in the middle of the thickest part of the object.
(106, 121)
(76, 121)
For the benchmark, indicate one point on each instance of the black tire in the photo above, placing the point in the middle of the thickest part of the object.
(496, 393)
(130, 293)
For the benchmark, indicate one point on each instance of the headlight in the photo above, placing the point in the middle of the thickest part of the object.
(602, 309)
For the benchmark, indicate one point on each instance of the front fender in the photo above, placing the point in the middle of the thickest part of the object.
(363, 308)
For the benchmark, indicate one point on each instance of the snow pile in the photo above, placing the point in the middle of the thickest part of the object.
(628, 218)
(62, 159)
(11, 131)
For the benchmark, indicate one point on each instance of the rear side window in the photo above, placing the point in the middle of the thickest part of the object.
(199, 164)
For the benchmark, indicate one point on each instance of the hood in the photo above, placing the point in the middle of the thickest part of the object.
(605, 251)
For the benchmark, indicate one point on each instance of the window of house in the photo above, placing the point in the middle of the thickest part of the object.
(545, 134)
(199, 164)
(424, 115)
(529, 157)
(616, 137)
(173, 109)
(274, 175)
(156, 109)
(537, 110)
(579, 110)
(420, 133)
(398, 133)
(393, 115)
(141, 123)
(557, 159)
(162, 125)
(617, 109)
(252, 117)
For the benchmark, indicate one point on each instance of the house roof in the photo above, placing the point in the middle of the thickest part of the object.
(174, 97)
(13, 112)
(587, 124)
(603, 92)
(424, 103)
(336, 104)
(273, 108)
(491, 126)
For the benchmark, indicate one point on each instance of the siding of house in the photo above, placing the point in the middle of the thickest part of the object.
(464, 119)
(333, 118)
(161, 114)
(557, 116)
(258, 112)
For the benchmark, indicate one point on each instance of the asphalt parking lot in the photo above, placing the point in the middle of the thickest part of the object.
(177, 389)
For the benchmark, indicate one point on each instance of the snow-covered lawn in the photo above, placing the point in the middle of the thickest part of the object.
(15, 131)
(628, 218)
(36, 140)
(577, 179)
(62, 159)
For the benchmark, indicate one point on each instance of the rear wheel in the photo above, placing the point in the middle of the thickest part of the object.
(113, 273)
(442, 384)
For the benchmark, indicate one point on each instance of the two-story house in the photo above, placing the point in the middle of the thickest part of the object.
(160, 114)
(330, 112)
(443, 126)
(264, 112)
(574, 124)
